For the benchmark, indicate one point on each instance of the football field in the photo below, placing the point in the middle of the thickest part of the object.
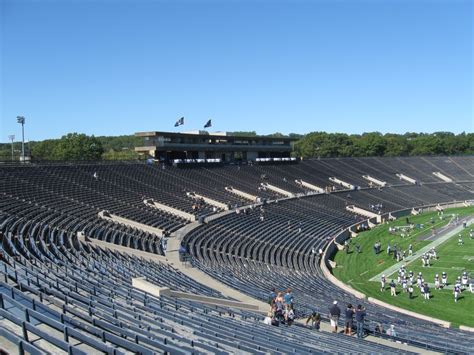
(357, 269)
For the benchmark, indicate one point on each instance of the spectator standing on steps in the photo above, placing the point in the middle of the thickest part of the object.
(349, 319)
(360, 318)
(334, 314)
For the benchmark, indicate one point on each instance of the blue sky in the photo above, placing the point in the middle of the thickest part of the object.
(117, 67)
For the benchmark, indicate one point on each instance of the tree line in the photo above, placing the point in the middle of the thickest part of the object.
(76, 146)
(322, 144)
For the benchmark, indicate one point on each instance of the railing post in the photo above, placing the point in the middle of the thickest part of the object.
(21, 350)
(25, 331)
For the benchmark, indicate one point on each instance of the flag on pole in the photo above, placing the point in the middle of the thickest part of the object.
(208, 124)
(179, 122)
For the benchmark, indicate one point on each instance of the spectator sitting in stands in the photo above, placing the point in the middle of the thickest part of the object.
(268, 319)
(289, 315)
(315, 320)
(391, 331)
(379, 328)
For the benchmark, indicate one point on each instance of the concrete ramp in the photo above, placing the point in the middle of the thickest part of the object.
(342, 183)
(142, 284)
(243, 194)
(130, 223)
(442, 176)
(406, 178)
(208, 200)
(375, 181)
(277, 190)
(121, 249)
(171, 210)
(310, 186)
(362, 212)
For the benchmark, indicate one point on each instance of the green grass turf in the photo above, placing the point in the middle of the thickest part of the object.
(357, 269)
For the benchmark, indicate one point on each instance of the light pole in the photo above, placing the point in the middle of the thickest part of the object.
(12, 138)
(21, 120)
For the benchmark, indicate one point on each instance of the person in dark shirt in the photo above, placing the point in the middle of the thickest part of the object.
(334, 314)
(426, 292)
(393, 290)
(360, 317)
(315, 320)
(349, 319)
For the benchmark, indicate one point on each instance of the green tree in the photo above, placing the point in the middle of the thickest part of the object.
(243, 133)
(44, 150)
(75, 146)
(427, 145)
(396, 145)
(276, 135)
(370, 144)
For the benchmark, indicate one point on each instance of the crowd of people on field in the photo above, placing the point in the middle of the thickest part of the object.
(408, 282)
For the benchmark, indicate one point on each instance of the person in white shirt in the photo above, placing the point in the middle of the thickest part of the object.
(444, 279)
(268, 319)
